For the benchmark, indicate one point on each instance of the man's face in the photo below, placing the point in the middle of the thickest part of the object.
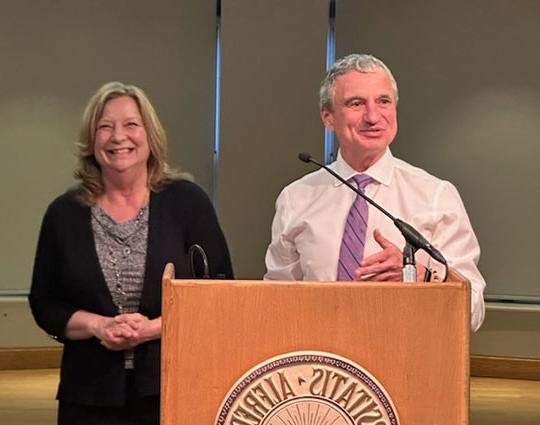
(363, 116)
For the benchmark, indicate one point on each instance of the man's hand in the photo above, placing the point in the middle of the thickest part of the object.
(385, 265)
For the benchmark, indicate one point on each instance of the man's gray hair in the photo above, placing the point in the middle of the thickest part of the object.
(353, 62)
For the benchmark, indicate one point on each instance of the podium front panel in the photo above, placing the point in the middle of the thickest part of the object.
(413, 338)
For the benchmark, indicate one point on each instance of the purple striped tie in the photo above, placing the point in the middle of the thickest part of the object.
(354, 235)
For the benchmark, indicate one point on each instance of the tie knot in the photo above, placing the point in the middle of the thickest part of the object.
(362, 180)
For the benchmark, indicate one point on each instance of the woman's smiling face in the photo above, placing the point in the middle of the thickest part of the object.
(121, 142)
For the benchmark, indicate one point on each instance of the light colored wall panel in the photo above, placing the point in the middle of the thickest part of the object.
(509, 331)
(273, 61)
(54, 56)
(469, 88)
(17, 326)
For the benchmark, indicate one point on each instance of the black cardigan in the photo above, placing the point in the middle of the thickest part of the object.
(67, 277)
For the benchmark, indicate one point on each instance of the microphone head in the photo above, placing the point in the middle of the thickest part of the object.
(304, 156)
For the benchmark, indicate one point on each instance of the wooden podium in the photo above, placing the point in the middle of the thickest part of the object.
(413, 338)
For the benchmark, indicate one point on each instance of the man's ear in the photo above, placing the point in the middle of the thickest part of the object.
(327, 118)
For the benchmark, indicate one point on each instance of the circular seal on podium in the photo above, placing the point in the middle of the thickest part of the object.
(307, 388)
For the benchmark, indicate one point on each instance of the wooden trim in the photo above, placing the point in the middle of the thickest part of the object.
(30, 358)
(506, 367)
(481, 366)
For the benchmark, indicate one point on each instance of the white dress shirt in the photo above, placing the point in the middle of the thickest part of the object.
(311, 214)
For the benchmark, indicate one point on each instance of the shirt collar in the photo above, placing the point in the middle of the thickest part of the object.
(381, 171)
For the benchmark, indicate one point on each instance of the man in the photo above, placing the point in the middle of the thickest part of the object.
(322, 232)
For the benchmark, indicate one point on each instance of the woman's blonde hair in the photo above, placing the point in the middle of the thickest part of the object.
(88, 171)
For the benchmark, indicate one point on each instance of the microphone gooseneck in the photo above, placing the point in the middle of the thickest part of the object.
(191, 254)
(410, 234)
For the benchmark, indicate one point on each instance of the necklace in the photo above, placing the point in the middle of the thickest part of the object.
(118, 241)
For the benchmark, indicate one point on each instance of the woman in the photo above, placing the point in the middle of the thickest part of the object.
(102, 248)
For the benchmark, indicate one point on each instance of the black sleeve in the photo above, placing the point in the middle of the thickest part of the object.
(205, 231)
(50, 309)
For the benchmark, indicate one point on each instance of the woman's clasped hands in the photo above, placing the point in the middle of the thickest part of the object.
(126, 331)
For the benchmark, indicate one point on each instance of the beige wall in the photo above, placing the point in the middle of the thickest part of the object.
(17, 326)
(273, 60)
(54, 56)
(509, 330)
(468, 112)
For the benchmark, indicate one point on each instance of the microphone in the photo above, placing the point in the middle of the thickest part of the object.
(411, 235)
(191, 253)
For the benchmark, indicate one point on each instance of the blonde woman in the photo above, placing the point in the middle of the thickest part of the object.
(96, 285)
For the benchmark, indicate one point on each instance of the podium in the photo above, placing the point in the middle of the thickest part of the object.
(412, 339)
